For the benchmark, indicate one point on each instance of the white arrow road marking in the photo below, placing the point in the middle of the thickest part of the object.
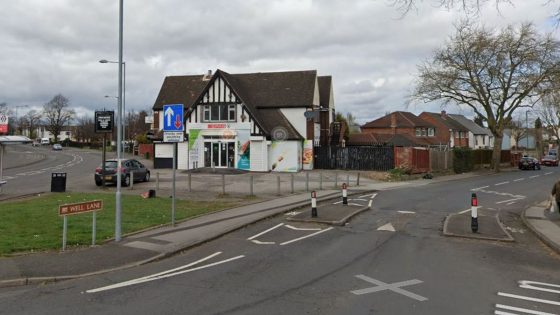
(301, 229)
(304, 237)
(264, 232)
(387, 227)
(395, 287)
(166, 274)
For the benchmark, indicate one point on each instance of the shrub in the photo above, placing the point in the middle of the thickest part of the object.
(463, 160)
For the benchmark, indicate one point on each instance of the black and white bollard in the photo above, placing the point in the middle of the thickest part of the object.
(474, 213)
(344, 194)
(313, 204)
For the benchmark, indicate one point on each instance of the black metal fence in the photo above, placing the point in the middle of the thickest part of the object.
(354, 158)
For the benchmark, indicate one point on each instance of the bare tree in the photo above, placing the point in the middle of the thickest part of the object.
(549, 112)
(57, 115)
(31, 121)
(493, 73)
(518, 132)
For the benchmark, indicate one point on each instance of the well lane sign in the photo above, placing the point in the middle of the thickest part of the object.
(75, 208)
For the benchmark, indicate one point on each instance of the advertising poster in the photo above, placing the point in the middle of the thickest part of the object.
(285, 156)
(195, 143)
(243, 149)
(307, 155)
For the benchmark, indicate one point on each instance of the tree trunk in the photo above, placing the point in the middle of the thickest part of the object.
(497, 153)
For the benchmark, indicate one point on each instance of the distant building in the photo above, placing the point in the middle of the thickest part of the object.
(478, 137)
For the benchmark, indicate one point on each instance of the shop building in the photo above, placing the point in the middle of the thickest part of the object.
(255, 121)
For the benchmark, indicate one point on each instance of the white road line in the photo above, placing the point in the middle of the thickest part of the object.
(356, 204)
(264, 232)
(479, 188)
(523, 310)
(464, 211)
(359, 199)
(262, 243)
(502, 183)
(527, 298)
(518, 180)
(303, 237)
(335, 203)
(365, 196)
(406, 212)
(373, 196)
(509, 204)
(301, 229)
(369, 203)
(547, 173)
(165, 275)
(509, 200)
(534, 176)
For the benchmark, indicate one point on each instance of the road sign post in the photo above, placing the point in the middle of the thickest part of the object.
(173, 132)
(76, 208)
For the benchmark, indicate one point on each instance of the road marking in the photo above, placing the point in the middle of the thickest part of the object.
(387, 227)
(395, 287)
(502, 183)
(301, 229)
(304, 237)
(479, 188)
(509, 204)
(166, 274)
(509, 200)
(358, 199)
(356, 204)
(369, 203)
(526, 284)
(292, 213)
(518, 180)
(264, 232)
(465, 211)
(263, 243)
(527, 298)
(502, 194)
(535, 176)
(524, 310)
(406, 212)
(365, 196)
(548, 173)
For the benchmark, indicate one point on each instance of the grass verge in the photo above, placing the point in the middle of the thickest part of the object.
(34, 224)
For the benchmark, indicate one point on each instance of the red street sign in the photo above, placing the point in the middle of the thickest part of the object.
(75, 208)
(3, 128)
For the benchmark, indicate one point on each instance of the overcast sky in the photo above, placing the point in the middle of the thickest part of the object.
(51, 47)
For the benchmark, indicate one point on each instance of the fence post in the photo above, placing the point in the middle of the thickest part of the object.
(251, 181)
(190, 182)
(278, 185)
(321, 181)
(292, 183)
(223, 184)
(306, 181)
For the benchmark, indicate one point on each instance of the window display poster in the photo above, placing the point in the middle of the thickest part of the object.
(285, 156)
(307, 155)
(243, 149)
(195, 143)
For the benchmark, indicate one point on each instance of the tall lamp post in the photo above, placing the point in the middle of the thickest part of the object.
(110, 96)
(123, 94)
(17, 121)
(527, 132)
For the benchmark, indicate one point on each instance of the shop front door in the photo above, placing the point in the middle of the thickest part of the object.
(219, 154)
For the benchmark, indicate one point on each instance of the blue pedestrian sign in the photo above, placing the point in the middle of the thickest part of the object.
(173, 117)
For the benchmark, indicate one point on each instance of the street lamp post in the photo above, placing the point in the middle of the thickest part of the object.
(123, 94)
(527, 132)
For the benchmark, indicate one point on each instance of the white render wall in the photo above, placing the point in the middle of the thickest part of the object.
(296, 117)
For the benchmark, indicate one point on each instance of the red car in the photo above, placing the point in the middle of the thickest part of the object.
(549, 160)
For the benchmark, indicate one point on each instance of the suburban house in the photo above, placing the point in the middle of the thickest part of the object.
(447, 131)
(41, 132)
(266, 121)
(519, 139)
(478, 137)
(398, 129)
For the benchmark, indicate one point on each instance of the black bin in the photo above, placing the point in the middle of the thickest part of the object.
(58, 182)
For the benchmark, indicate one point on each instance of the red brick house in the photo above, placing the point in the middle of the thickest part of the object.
(403, 129)
(448, 131)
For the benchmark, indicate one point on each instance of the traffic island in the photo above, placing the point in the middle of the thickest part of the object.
(333, 214)
(489, 227)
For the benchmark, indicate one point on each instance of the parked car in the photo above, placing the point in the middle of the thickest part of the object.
(550, 160)
(128, 167)
(529, 163)
(57, 147)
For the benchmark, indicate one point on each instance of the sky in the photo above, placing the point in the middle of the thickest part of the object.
(367, 46)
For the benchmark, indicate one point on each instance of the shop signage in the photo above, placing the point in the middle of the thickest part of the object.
(3, 124)
(104, 121)
(75, 208)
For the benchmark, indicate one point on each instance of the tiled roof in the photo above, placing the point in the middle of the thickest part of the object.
(470, 125)
(446, 121)
(404, 120)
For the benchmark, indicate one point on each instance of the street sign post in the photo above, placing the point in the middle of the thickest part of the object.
(173, 129)
(76, 208)
(104, 121)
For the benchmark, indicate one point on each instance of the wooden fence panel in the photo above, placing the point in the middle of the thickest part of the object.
(354, 158)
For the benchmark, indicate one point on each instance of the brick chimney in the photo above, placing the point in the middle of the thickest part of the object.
(443, 114)
(394, 122)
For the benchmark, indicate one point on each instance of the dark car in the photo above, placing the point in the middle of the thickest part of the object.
(549, 160)
(128, 167)
(529, 163)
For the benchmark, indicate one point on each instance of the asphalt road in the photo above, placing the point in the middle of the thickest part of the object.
(279, 267)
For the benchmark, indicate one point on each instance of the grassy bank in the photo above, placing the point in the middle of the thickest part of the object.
(34, 224)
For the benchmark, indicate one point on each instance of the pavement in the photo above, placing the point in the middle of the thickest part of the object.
(158, 243)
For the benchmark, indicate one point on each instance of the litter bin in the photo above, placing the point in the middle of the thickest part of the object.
(58, 182)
